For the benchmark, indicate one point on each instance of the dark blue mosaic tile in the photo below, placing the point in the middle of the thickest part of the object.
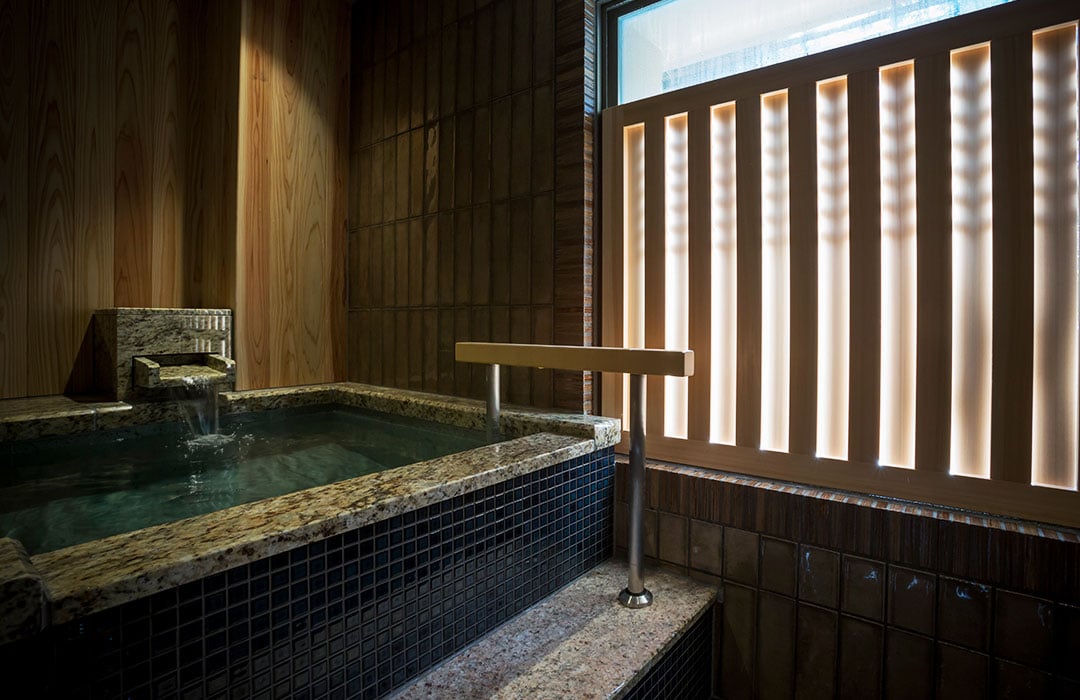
(356, 615)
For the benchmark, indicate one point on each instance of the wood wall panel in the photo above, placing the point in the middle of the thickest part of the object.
(291, 227)
(134, 155)
(51, 337)
(167, 175)
(209, 45)
(14, 104)
(119, 176)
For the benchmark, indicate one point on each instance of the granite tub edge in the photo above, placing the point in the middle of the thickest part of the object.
(24, 599)
(104, 573)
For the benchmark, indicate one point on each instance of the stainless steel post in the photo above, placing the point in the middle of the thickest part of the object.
(493, 402)
(635, 595)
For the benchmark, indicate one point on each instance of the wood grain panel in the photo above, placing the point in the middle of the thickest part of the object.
(934, 261)
(865, 197)
(210, 48)
(14, 216)
(294, 113)
(340, 84)
(134, 156)
(748, 213)
(802, 409)
(1012, 355)
(167, 206)
(95, 125)
(700, 253)
(251, 332)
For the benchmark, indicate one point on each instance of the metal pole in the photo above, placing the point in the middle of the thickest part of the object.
(493, 403)
(635, 595)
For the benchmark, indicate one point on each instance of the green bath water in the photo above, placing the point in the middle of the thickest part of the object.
(59, 492)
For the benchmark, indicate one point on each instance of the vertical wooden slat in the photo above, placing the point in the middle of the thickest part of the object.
(934, 313)
(748, 383)
(284, 159)
(612, 288)
(700, 224)
(252, 331)
(865, 225)
(14, 222)
(1010, 434)
(95, 123)
(167, 204)
(654, 266)
(135, 83)
(338, 30)
(804, 245)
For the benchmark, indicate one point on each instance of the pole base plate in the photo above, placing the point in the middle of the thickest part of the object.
(635, 600)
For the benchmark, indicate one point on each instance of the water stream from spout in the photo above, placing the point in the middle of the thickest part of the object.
(198, 402)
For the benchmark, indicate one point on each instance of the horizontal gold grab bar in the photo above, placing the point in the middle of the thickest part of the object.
(673, 363)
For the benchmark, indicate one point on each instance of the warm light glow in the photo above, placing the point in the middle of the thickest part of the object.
(633, 246)
(775, 272)
(972, 261)
(833, 273)
(676, 268)
(896, 95)
(1054, 389)
(724, 330)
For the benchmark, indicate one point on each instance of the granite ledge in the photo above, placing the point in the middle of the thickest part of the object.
(515, 421)
(97, 575)
(577, 643)
(23, 598)
(46, 416)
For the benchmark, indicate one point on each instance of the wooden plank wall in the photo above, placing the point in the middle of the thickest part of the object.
(470, 203)
(118, 177)
(290, 236)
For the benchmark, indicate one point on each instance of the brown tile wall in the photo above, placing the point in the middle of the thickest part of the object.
(824, 597)
(470, 214)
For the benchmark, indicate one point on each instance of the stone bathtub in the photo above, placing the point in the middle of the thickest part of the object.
(348, 589)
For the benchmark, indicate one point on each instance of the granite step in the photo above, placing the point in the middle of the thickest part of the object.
(578, 643)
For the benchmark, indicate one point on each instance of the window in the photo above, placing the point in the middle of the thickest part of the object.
(667, 45)
(875, 256)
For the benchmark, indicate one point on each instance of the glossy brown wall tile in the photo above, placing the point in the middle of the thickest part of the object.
(471, 125)
(831, 595)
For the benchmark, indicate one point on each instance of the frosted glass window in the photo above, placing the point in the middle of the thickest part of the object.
(673, 44)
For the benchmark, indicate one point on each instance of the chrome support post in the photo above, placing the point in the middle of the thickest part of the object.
(493, 403)
(635, 595)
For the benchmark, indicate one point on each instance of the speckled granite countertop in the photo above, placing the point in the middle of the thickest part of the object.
(101, 574)
(578, 643)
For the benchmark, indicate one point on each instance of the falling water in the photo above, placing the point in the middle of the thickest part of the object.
(198, 402)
